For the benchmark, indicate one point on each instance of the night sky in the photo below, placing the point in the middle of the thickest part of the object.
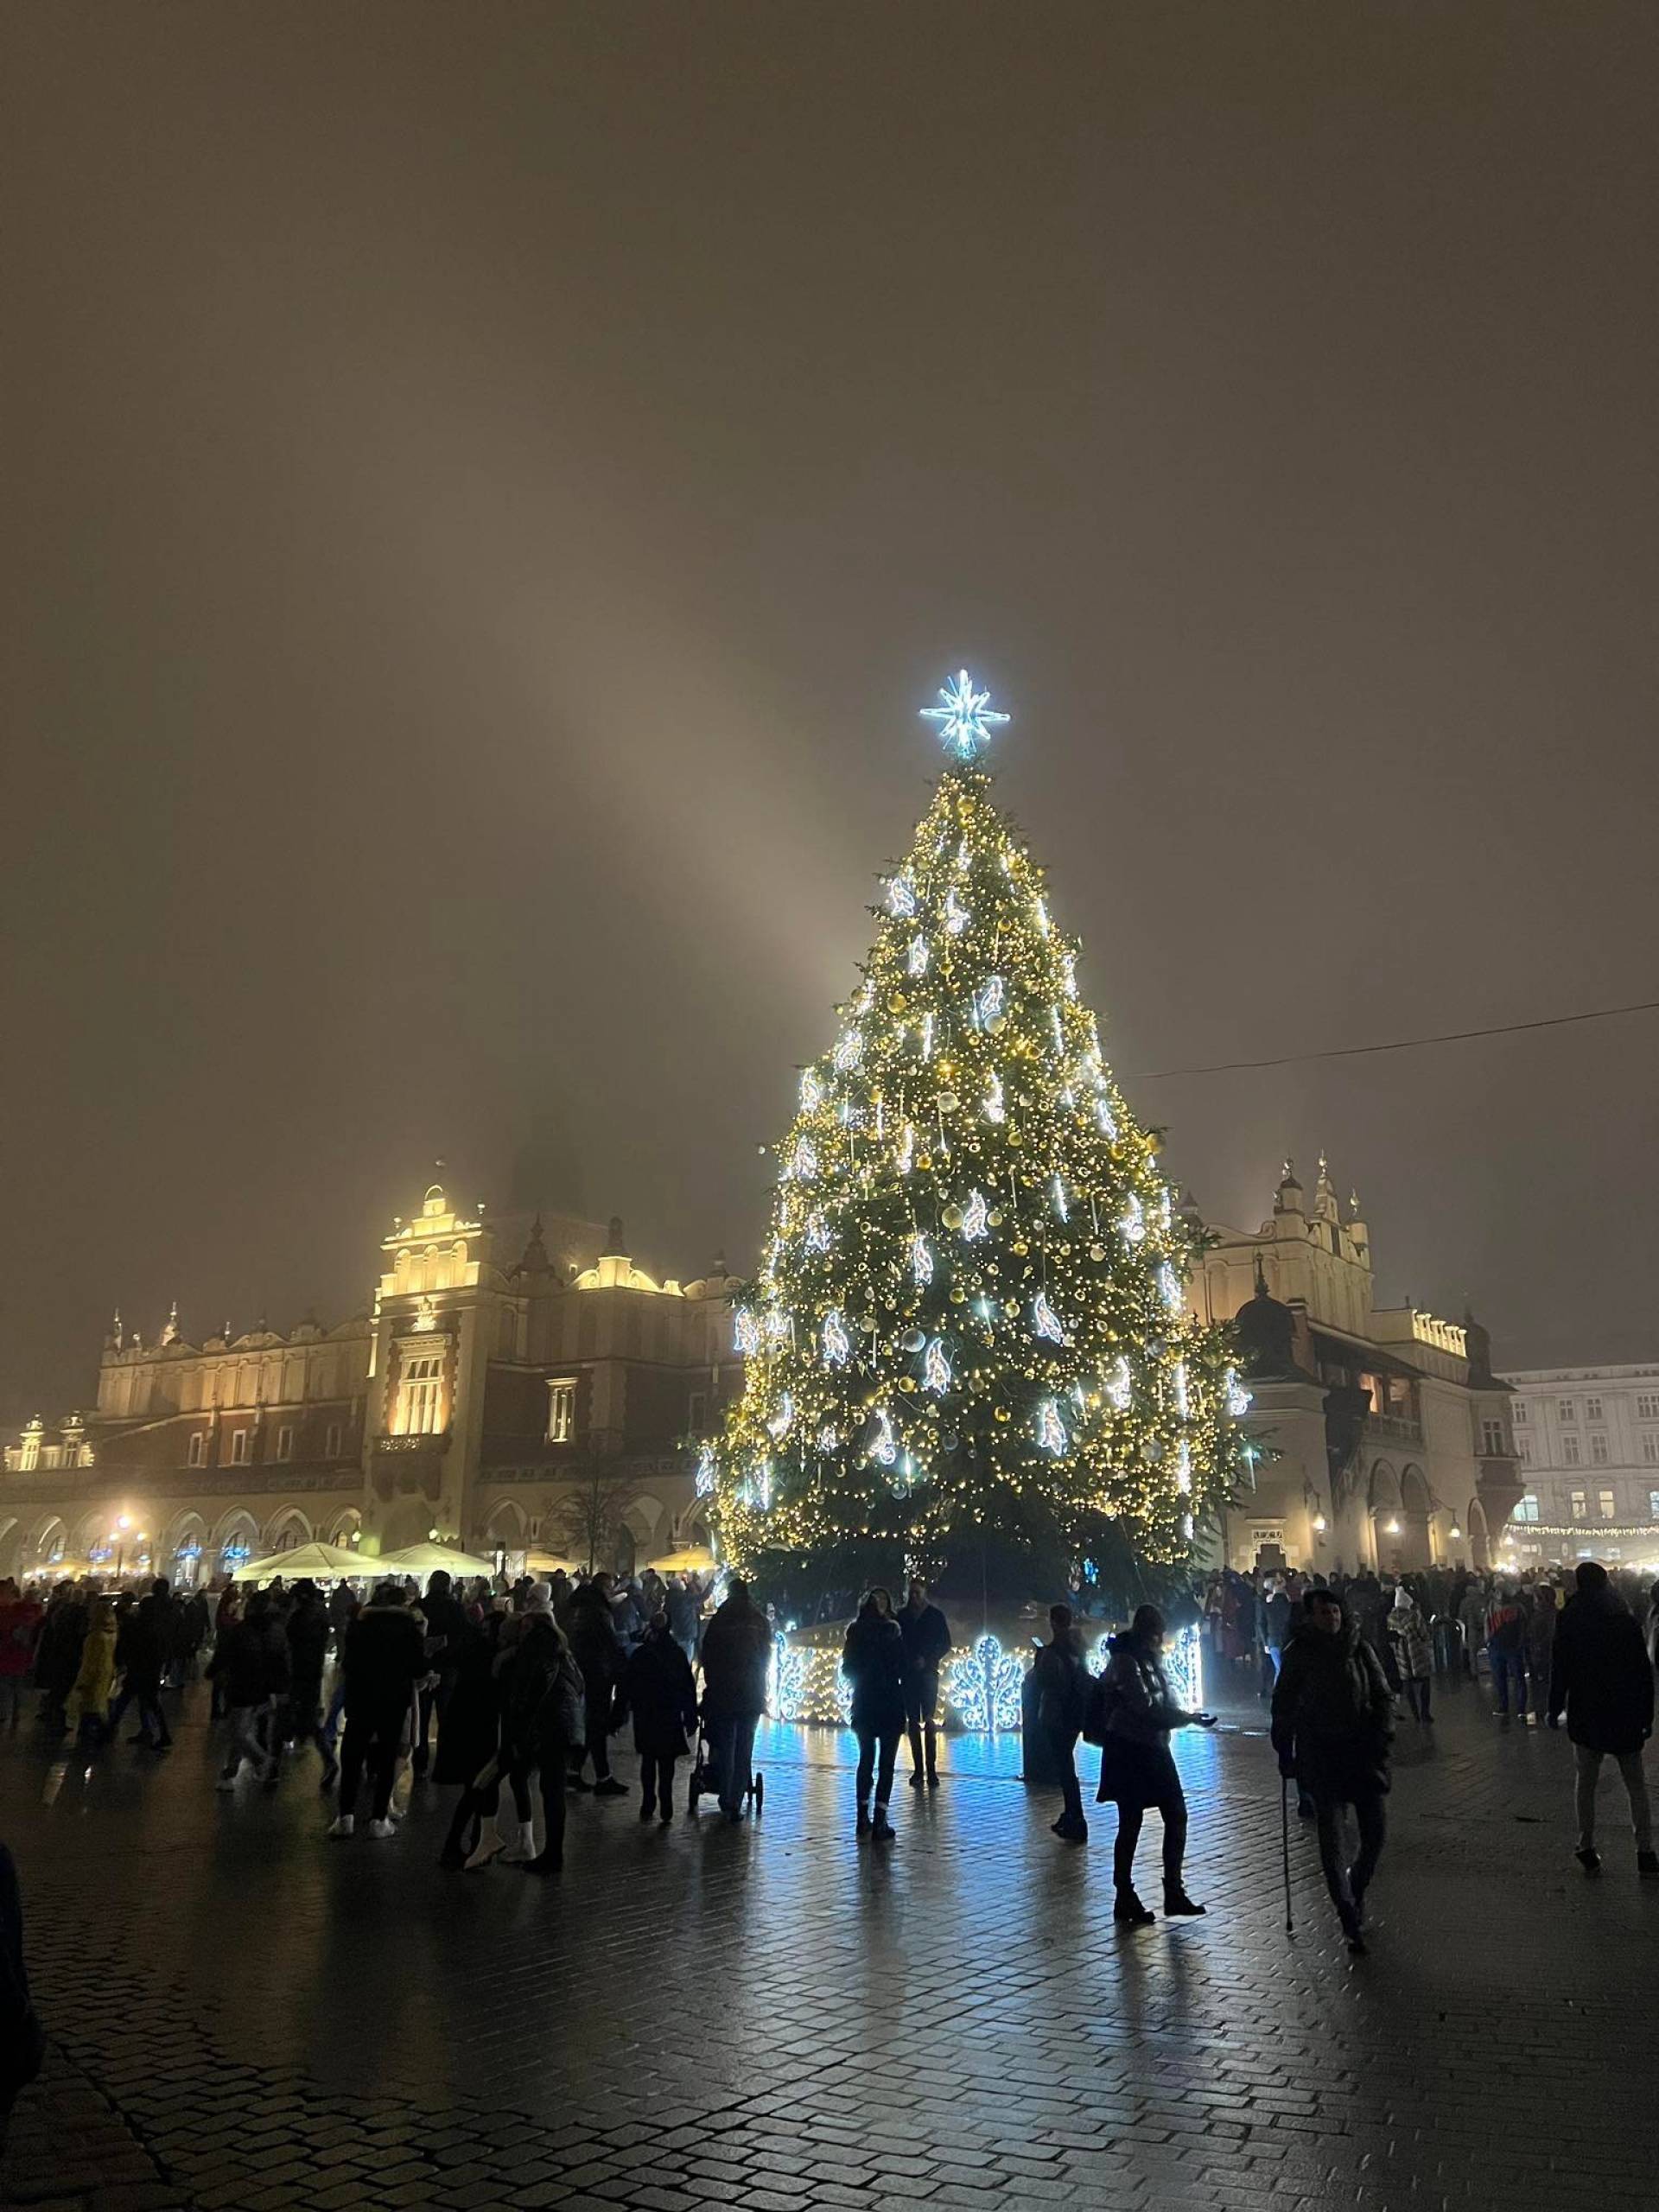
(489, 487)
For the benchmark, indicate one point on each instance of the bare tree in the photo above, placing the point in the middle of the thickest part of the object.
(592, 1518)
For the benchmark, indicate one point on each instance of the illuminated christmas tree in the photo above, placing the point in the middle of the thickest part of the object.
(970, 1318)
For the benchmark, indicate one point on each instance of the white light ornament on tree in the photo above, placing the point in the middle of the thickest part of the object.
(957, 916)
(804, 1160)
(706, 1471)
(1045, 1321)
(817, 1235)
(936, 1368)
(746, 1329)
(965, 718)
(996, 1105)
(976, 1217)
(1050, 1429)
(921, 1260)
(838, 1344)
(901, 897)
(1237, 1399)
(1120, 1386)
(916, 958)
(884, 1445)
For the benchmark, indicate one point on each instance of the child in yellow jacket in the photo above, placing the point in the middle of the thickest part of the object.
(89, 1701)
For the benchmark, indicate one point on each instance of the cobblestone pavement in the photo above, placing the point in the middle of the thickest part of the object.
(770, 2016)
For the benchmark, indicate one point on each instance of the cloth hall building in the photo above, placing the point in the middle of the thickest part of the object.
(550, 1403)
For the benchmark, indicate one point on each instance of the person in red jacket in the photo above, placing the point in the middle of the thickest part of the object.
(19, 1626)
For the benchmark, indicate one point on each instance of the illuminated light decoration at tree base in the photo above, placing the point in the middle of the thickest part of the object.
(1183, 1665)
(983, 1685)
(975, 1276)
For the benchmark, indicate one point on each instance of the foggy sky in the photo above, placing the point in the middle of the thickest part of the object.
(489, 487)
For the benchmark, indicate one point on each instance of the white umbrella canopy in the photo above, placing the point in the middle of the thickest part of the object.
(320, 1562)
(691, 1558)
(421, 1560)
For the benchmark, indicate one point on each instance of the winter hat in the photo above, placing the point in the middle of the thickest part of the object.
(540, 1600)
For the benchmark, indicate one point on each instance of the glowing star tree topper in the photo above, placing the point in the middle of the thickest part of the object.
(972, 1302)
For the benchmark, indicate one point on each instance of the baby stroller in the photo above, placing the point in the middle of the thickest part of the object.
(706, 1783)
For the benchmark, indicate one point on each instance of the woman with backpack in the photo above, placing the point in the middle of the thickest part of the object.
(1136, 1770)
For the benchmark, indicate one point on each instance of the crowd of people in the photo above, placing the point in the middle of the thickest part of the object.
(529, 1682)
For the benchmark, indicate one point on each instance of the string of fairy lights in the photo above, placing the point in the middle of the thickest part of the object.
(973, 1289)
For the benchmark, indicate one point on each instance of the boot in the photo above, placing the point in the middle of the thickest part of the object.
(491, 1842)
(1127, 1908)
(518, 1847)
(863, 1823)
(1178, 1906)
(881, 1826)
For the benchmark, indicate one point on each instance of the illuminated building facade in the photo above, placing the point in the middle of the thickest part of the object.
(553, 1404)
(1587, 1439)
(1388, 1440)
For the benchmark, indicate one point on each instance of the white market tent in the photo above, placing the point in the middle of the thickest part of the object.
(321, 1562)
(421, 1560)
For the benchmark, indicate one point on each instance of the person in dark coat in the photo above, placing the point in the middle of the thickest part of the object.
(22, 2041)
(251, 1667)
(383, 1659)
(737, 1649)
(598, 1652)
(1332, 1725)
(469, 1742)
(1601, 1678)
(1063, 1683)
(57, 1652)
(543, 1710)
(307, 1629)
(446, 1626)
(872, 1660)
(662, 1698)
(1136, 1770)
(143, 1649)
(927, 1639)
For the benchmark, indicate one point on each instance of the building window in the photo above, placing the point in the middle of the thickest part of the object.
(1527, 1508)
(285, 1443)
(1651, 1448)
(1491, 1437)
(1653, 1505)
(1524, 1449)
(1593, 1409)
(196, 1451)
(561, 1411)
(1576, 1504)
(1607, 1506)
(1599, 1448)
(1647, 1406)
(331, 1442)
(696, 1413)
(1566, 1409)
(1570, 1450)
(1521, 1416)
(422, 1388)
(238, 1447)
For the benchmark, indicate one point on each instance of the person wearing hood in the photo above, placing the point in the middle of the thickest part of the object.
(662, 1698)
(1332, 1725)
(383, 1659)
(142, 1653)
(1413, 1652)
(598, 1652)
(89, 1699)
(469, 1746)
(445, 1619)
(1506, 1651)
(543, 1710)
(57, 1652)
(1602, 1679)
(872, 1660)
(1136, 1768)
(737, 1646)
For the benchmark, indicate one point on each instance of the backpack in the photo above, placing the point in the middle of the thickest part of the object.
(1098, 1708)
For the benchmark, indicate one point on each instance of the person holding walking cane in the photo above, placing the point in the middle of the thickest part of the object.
(1333, 1726)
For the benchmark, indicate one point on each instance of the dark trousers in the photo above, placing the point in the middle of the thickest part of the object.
(921, 1721)
(1063, 1743)
(657, 1781)
(1417, 1689)
(731, 1754)
(1368, 1817)
(1129, 1818)
(596, 1711)
(145, 1691)
(371, 1741)
(1509, 1668)
(553, 1762)
(869, 1741)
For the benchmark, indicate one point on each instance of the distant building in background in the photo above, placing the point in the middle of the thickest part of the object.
(1588, 1441)
(551, 1406)
(1387, 1435)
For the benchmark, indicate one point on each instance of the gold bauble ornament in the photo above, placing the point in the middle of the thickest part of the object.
(906, 1381)
(1014, 1137)
(1011, 1307)
(958, 1295)
(1001, 1412)
(1020, 1247)
(1097, 1251)
(897, 1003)
(995, 1217)
(951, 1217)
(999, 1023)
